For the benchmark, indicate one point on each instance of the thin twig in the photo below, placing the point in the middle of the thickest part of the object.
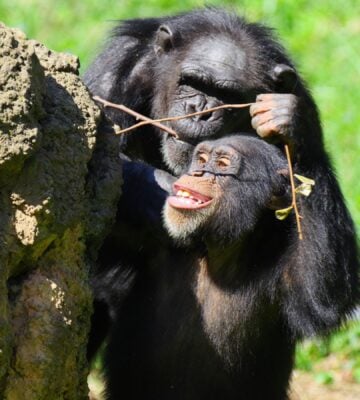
(293, 193)
(177, 118)
(136, 115)
(158, 122)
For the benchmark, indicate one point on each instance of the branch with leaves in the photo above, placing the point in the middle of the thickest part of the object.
(304, 188)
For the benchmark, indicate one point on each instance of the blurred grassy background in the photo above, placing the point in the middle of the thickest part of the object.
(322, 36)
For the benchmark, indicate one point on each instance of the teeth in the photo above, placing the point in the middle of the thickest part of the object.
(183, 193)
(188, 198)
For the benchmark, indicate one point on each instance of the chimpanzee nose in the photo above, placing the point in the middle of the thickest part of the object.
(204, 117)
(196, 104)
(204, 173)
(197, 173)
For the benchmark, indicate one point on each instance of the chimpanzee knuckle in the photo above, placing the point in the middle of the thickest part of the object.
(280, 96)
(262, 107)
(282, 125)
(281, 112)
(260, 119)
(267, 117)
(284, 100)
(259, 97)
(258, 108)
(291, 100)
(265, 130)
(264, 97)
(253, 109)
(274, 127)
(274, 98)
(255, 122)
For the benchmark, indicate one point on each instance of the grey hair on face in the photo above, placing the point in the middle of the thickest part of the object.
(183, 224)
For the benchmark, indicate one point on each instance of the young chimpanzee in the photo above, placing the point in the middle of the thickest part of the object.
(217, 317)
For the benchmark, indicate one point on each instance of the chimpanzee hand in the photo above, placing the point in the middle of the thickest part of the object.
(273, 114)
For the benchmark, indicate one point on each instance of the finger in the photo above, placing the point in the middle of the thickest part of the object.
(272, 104)
(261, 107)
(277, 126)
(272, 96)
(261, 119)
(267, 116)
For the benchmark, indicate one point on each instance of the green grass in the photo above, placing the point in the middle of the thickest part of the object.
(323, 38)
(345, 343)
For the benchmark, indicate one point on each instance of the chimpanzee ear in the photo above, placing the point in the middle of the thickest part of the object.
(285, 77)
(164, 39)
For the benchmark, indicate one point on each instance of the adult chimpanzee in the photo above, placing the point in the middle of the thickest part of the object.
(218, 318)
(175, 65)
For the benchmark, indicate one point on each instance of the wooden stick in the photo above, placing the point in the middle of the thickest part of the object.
(293, 193)
(177, 118)
(135, 114)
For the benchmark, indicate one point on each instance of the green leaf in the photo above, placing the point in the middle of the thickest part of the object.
(283, 213)
(305, 189)
(304, 179)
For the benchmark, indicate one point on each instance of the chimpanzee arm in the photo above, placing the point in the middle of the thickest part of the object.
(136, 233)
(138, 225)
(320, 278)
(320, 281)
(145, 189)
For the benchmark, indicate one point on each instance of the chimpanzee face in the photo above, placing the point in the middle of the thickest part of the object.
(210, 75)
(211, 71)
(230, 183)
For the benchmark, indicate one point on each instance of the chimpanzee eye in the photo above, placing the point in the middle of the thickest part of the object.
(223, 162)
(203, 158)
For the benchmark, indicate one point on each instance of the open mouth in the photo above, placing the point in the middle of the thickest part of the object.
(188, 199)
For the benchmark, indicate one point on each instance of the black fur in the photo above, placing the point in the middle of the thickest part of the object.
(132, 242)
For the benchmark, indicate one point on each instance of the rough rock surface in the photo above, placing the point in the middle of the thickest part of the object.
(59, 183)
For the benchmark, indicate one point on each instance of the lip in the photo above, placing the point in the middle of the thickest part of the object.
(188, 199)
(178, 141)
(200, 132)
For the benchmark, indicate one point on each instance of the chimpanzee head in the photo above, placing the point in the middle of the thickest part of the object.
(205, 60)
(230, 184)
